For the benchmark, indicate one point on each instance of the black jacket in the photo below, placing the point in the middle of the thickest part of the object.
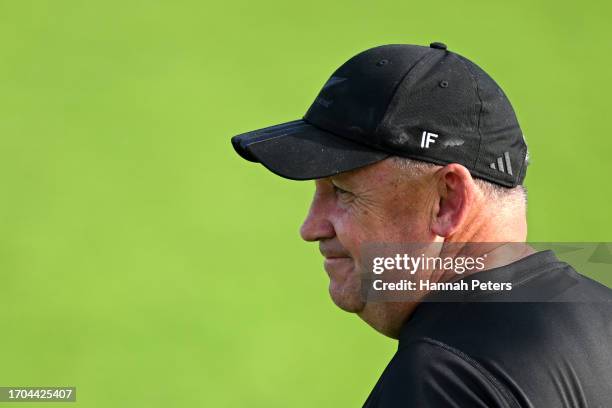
(497, 350)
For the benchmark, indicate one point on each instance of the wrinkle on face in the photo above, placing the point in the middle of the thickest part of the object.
(375, 192)
(378, 203)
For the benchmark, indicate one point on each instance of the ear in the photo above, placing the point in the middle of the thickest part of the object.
(456, 193)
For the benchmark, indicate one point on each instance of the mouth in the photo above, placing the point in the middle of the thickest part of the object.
(333, 259)
(336, 263)
(336, 259)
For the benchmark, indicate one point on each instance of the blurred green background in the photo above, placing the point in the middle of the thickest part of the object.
(146, 264)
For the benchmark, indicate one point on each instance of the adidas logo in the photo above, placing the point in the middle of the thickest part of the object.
(500, 164)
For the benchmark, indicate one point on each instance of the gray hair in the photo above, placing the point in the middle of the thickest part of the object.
(490, 190)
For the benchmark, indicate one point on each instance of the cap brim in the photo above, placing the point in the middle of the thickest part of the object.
(300, 151)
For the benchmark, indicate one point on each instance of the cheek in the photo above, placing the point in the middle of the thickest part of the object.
(350, 231)
(392, 223)
(408, 218)
(413, 228)
(399, 226)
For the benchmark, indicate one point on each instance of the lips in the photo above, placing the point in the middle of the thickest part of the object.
(336, 264)
(338, 268)
(331, 250)
(334, 254)
(337, 259)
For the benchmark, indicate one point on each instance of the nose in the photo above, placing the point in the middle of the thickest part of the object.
(317, 225)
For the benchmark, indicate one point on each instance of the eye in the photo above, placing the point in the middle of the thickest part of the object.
(339, 191)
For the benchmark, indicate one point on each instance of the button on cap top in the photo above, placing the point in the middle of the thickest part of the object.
(438, 45)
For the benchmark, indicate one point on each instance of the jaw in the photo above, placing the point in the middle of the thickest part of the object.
(345, 291)
(387, 317)
(346, 298)
(344, 284)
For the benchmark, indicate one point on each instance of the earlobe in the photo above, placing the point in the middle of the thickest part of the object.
(455, 193)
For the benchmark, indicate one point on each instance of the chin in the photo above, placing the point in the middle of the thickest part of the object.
(346, 299)
(344, 284)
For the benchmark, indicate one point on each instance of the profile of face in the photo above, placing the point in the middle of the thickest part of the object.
(376, 203)
(379, 203)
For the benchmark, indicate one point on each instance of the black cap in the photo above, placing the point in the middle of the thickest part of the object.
(423, 103)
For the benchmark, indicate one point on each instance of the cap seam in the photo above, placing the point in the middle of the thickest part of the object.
(522, 171)
(429, 53)
(477, 88)
(267, 137)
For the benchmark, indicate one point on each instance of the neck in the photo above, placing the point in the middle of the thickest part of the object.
(500, 234)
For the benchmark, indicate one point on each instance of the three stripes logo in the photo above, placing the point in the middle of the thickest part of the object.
(500, 164)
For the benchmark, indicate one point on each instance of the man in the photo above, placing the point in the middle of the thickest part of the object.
(412, 144)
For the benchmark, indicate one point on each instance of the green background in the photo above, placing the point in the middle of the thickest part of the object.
(146, 264)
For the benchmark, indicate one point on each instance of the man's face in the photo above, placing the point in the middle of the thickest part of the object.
(375, 204)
